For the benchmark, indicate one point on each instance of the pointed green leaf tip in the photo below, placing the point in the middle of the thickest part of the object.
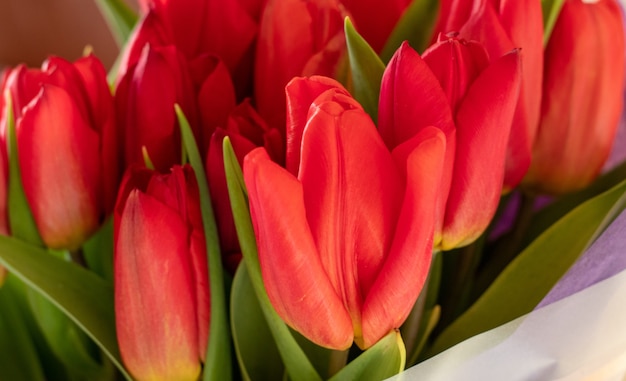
(366, 71)
(415, 26)
(218, 354)
(119, 17)
(551, 10)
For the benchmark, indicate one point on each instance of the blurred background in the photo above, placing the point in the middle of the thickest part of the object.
(31, 30)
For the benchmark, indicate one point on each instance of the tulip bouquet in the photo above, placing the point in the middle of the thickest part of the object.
(320, 189)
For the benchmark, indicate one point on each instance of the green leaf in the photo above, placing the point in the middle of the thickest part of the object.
(522, 285)
(98, 251)
(80, 294)
(251, 333)
(218, 356)
(119, 17)
(296, 362)
(19, 360)
(66, 340)
(366, 70)
(383, 360)
(20, 217)
(415, 26)
(551, 10)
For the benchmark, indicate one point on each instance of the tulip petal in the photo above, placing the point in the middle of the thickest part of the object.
(101, 105)
(295, 280)
(411, 98)
(351, 199)
(155, 314)
(403, 275)
(56, 153)
(301, 92)
(483, 124)
(582, 100)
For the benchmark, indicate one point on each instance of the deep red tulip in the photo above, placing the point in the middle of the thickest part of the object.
(582, 96)
(4, 216)
(246, 131)
(296, 38)
(502, 25)
(345, 246)
(376, 19)
(454, 89)
(4, 164)
(162, 306)
(66, 147)
(196, 27)
(146, 95)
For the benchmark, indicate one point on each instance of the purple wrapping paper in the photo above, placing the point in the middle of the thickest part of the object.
(606, 257)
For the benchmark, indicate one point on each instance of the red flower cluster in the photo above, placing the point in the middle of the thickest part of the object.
(346, 210)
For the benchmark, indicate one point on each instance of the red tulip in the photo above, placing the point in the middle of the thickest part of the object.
(146, 95)
(501, 25)
(195, 27)
(582, 96)
(455, 89)
(345, 246)
(376, 19)
(296, 37)
(4, 164)
(246, 130)
(162, 306)
(66, 147)
(4, 216)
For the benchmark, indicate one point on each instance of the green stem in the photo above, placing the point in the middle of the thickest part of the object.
(508, 247)
(456, 300)
(338, 360)
(411, 329)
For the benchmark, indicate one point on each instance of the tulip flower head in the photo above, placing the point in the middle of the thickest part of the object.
(161, 277)
(455, 89)
(500, 26)
(66, 147)
(296, 38)
(582, 96)
(344, 245)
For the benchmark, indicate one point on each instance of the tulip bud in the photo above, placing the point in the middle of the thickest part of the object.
(195, 28)
(502, 25)
(161, 278)
(345, 245)
(296, 38)
(582, 96)
(246, 130)
(472, 102)
(66, 144)
(4, 216)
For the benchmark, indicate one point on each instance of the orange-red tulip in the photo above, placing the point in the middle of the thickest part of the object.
(501, 25)
(582, 96)
(345, 246)
(146, 95)
(67, 147)
(296, 37)
(454, 88)
(162, 304)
